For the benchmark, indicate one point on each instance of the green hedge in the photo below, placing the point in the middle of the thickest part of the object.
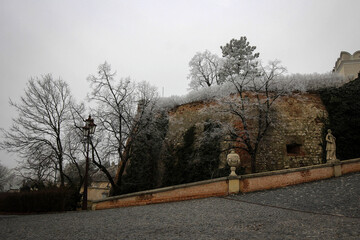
(47, 200)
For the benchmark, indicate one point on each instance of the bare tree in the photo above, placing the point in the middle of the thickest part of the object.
(39, 167)
(253, 106)
(204, 70)
(122, 112)
(74, 146)
(43, 112)
(256, 91)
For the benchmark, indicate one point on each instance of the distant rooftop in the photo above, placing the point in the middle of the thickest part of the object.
(348, 64)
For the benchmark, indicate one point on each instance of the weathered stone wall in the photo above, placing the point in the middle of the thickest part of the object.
(196, 114)
(294, 139)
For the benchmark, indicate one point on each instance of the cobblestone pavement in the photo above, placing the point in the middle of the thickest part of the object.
(328, 209)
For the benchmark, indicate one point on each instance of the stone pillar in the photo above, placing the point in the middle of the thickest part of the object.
(234, 186)
(233, 161)
(337, 169)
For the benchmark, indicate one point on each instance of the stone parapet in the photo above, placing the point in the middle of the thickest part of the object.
(202, 189)
(232, 185)
(287, 177)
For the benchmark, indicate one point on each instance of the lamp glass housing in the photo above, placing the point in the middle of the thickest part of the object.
(86, 131)
(89, 127)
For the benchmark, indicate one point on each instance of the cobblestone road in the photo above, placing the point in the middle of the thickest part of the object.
(328, 209)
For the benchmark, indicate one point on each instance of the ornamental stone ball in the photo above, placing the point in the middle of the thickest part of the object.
(233, 160)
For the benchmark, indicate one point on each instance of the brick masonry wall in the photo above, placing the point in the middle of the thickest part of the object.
(297, 121)
(221, 186)
(211, 188)
(286, 179)
(350, 167)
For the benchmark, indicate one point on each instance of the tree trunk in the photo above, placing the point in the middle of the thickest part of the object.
(253, 163)
(118, 180)
(62, 179)
(115, 188)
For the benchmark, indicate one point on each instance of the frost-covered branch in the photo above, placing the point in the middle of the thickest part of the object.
(122, 111)
(204, 70)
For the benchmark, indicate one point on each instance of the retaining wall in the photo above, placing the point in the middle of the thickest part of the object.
(231, 185)
(203, 189)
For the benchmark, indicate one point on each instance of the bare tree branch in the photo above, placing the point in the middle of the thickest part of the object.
(121, 114)
(43, 111)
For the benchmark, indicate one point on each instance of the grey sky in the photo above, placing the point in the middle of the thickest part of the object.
(155, 40)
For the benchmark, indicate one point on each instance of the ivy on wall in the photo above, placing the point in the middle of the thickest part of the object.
(343, 106)
(197, 158)
(142, 172)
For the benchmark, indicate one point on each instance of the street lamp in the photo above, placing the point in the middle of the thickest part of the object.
(88, 131)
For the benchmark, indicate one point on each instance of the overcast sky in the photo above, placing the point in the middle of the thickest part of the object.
(155, 40)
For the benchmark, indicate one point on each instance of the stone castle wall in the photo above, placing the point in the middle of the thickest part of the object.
(294, 139)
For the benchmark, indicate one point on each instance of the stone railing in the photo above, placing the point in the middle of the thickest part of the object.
(231, 185)
(202, 189)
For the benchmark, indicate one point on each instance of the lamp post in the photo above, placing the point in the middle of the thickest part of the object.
(88, 131)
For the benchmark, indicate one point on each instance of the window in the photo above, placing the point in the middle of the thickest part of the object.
(104, 195)
(293, 149)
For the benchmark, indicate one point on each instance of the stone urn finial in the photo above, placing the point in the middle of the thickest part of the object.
(233, 160)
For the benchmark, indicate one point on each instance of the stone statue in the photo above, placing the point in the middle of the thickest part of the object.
(330, 147)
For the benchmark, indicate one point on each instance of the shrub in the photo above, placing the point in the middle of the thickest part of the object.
(142, 169)
(343, 106)
(46, 200)
(197, 158)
